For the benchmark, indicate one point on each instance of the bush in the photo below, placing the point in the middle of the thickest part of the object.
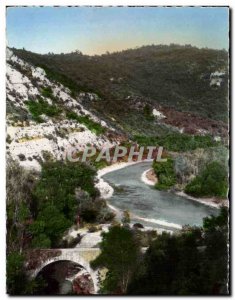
(213, 181)
(48, 93)
(148, 113)
(21, 157)
(57, 76)
(120, 255)
(55, 200)
(165, 174)
(40, 107)
(90, 124)
(192, 262)
(15, 273)
(180, 85)
(177, 142)
(47, 155)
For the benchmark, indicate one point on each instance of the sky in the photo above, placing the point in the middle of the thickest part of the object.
(96, 30)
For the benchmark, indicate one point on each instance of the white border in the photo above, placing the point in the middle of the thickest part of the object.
(3, 4)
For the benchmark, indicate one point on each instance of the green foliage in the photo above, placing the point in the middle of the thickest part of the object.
(41, 208)
(184, 83)
(45, 207)
(177, 142)
(16, 278)
(100, 164)
(165, 174)
(54, 225)
(19, 186)
(57, 76)
(148, 113)
(18, 282)
(56, 200)
(213, 181)
(87, 121)
(194, 262)
(119, 254)
(37, 108)
(212, 222)
(41, 241)
(47, 92)
(59, 179)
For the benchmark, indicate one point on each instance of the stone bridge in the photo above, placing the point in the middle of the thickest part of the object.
(38, 259)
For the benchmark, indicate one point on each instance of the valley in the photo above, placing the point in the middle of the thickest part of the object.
(175, 97)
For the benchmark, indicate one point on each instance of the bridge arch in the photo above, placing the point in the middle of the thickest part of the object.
(81, 257)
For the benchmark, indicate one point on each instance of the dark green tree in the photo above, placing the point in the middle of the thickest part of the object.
(119, 254)
(193, 262)
(213, 181)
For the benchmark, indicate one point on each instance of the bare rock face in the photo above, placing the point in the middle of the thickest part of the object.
(82, 284)
(30, 136)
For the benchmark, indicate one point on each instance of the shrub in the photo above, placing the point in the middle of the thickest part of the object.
(177, 142)
(47, 155)
(90, 124)
(40, 107)
(55, 200)
(181, 85)
(148, 113)
(213, 181)
(165, 174)
(8, 139)
(47, 92)
(22, 157)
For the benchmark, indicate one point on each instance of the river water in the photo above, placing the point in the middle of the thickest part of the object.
(152, 207)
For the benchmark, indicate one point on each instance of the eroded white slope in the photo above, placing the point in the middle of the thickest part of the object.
(30, 142)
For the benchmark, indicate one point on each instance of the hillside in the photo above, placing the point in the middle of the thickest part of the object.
(60, 101)
(152, 96)
(44, 121)
(178, 78)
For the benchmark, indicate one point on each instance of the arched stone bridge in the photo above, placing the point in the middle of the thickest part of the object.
(39, 258)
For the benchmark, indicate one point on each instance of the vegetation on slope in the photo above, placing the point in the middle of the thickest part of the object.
(184, 81)
(40, 107)
(119, 254)
(193, 262)
(212, 181)
(177, 142)
(87, 121)
(41, 207)
(166, 268)
(165, 174)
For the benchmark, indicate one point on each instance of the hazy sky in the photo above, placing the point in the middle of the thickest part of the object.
(95, 30)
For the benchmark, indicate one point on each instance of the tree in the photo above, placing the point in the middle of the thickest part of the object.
(119, 254)
(194, 262)
(212, 181)
(52, 223)
(16, 278)
(165, 173)
(215, 266)
(19, 186)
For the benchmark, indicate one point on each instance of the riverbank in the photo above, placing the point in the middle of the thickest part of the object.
(106, 191)
(148, 178)
(165, 209)
(212, 201)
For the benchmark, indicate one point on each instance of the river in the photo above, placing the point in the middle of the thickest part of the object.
(152, 207)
